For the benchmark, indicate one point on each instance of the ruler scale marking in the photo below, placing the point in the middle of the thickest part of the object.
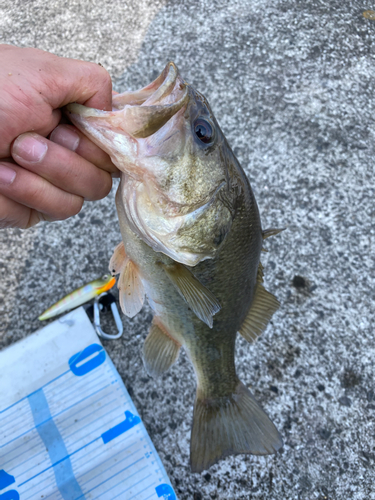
(90, 423)
(129, 487)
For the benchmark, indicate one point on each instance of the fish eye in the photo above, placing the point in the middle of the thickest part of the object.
(203, 130)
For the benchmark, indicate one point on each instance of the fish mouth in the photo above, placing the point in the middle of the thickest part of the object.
(169, 80)
(140, 113)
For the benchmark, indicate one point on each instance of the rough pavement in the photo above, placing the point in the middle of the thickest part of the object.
(292, 86)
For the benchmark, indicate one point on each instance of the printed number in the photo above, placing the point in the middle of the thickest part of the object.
(77, 363)
(129, 422)
(5, 481)
(165, 491)
(10, 495)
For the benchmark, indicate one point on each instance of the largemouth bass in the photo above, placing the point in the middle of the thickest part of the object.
(192, 239)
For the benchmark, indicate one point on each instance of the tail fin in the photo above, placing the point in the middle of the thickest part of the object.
(229, 426)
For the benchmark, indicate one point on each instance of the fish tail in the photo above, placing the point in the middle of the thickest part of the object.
(230, 425)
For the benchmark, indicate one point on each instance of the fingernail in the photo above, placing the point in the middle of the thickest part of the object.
(29, 147)
(7, 175)
(66, 137)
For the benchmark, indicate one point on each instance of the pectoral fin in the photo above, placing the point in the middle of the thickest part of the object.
(131, 289)
(160, 351)
(261, 310)
(199, 298)
(118, 259)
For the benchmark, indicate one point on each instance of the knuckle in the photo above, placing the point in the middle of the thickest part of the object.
(12, 214)
(106, 186)
(78, 205)
(106, 77)
(101, 75)
(73, 208)
(67, 207)
(102, 187)
(34, 218)
(37, 191)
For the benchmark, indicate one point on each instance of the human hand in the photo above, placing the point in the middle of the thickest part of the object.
(40, 178)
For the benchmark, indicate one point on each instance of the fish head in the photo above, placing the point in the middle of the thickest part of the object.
(176, 188)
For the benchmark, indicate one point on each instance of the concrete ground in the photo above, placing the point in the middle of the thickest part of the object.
(292, 85)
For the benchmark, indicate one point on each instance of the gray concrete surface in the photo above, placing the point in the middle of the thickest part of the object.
(292, 85)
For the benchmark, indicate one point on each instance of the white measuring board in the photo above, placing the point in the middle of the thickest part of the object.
(68, 427)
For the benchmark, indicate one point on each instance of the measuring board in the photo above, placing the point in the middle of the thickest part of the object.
(68, 427)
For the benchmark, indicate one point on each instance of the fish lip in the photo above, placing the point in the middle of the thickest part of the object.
(161, 87)
(83, 111)
(171, 75)
(144, 111)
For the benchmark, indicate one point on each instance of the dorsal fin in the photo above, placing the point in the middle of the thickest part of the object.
(160, 350)
(199, 298)
(261, 310)
(132, 294)
(272, 231)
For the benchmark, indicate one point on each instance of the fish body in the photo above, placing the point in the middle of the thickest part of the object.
(192, 240)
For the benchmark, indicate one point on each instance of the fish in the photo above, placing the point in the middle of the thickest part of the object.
(191, 243)
(79, 296)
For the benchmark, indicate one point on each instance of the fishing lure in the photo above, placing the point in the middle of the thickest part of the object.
(79, 296)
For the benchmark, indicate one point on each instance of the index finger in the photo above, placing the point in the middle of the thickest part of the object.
(79, 81)
(58, 80)
(35, 83)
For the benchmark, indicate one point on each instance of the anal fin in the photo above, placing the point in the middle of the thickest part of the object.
(131, 289)
(199, 298)
(261, 310)
(160, 350)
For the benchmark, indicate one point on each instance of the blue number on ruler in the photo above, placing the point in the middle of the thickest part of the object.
(165, 491)
(5, 481)
(129, 422)
(10, 495)
(91, 364)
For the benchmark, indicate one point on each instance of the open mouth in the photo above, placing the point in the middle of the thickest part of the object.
(140, 113)
(168, 84)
